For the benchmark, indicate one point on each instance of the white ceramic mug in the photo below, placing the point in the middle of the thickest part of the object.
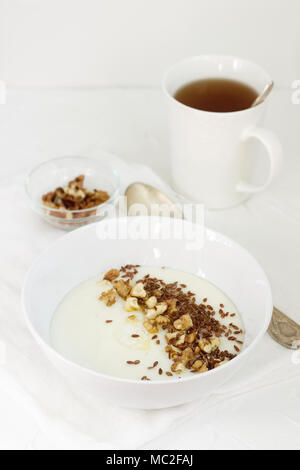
(210, 150)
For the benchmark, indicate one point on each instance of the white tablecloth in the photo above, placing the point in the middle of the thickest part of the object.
(260, 408)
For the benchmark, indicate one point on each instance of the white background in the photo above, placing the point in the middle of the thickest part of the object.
(131, 42)
(84, 75)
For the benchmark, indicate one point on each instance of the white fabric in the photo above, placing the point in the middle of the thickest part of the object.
(53, 415)
(259, 408)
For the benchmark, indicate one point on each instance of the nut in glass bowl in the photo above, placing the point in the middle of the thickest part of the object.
(69, 192)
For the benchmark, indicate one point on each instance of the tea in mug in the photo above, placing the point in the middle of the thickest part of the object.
(218, 95)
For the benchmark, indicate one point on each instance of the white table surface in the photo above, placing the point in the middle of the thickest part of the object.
(39, 124)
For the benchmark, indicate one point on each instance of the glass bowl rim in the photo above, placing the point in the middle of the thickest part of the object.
(43, 207)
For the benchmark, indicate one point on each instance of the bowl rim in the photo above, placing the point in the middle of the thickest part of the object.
(38, 338)
(39, 205)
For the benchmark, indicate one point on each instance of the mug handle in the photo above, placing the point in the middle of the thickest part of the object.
(274, 151)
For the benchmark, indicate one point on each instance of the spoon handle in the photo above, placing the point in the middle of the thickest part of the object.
(263, 95)
(284, 330)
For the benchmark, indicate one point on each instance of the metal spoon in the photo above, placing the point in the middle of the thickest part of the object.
(263, 95)
(282, 328)
(141, 193)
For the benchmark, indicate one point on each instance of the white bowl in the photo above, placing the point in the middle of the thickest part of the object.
(89, 250)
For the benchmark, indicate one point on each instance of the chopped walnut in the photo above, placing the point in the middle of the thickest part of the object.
(111, 275)
(170, 336)
(184, 322)
(131, 304)
(209, 345)
(181, 340)
(191, 337)
(72, 191)
(157, 293)
(197, 364)
(77, 182)
(138, 290)
(162, 319)
(187, 355)
(171, 306)
(161, 307)
(123, 288)
(150, 327)
(152, 313)
(108, 297)
(151, 302)
(74, 197)
(177, 367)
(172, 351)
(203, 368)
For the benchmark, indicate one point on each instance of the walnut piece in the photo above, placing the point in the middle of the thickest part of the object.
(162, 319)
(151, 313)
(203, 368)
(108, 297)
(111, 274)
(74, 197)
(171, 306)
(170, 336)
(184, 322)
(191, 337)
(181, 340)
(197, 364)
(150, 327)
(209, 345)
(138, 290)
(177, 367)
(123, 288)
(151, 302)
(187, 355)
(131, 304)
(161, 307)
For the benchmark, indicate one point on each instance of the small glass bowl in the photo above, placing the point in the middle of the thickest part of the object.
(58, 172)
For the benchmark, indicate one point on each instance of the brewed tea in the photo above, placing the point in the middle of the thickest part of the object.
(217, 95)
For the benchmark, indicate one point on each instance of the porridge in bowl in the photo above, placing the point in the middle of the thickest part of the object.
(147, 323)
